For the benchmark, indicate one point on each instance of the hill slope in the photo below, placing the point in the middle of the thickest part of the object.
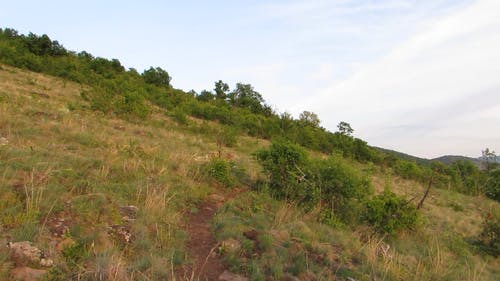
(109, 199)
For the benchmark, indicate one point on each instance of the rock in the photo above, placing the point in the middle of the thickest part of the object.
(351, 279)
(23, 252)
(129, 211)
(121, 232)
(27, 274)
(46, 262)
(4, 141)
(58, 226)
(231, 245)
(228, 276)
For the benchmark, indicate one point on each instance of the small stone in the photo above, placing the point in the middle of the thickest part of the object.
(45, 262)
(27, 274)
(228, 276)
(121, 232)
(351, 279)
(128, 219)
(129, 211)
(231, 245)
(4, 141)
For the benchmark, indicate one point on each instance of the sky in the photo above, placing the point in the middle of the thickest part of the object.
(417, 76)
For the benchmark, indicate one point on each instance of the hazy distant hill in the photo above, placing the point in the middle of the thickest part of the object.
(446, 159)
(405, 156)
(449, 159)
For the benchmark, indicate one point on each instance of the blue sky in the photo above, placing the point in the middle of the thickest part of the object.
(416, 76)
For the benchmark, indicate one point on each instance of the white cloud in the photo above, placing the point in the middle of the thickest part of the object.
(430, 92)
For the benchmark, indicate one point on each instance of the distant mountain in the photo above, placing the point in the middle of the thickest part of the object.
(405, 156)
(449, 159)
(497, 160)
(446, 159)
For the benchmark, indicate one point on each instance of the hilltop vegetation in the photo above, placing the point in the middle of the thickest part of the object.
(83, 139)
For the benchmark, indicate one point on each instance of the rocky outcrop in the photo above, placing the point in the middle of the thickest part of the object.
(24, 253)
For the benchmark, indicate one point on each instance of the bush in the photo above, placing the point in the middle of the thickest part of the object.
(341, 188)
(284, 162)
(492, 186)
(489, 239)
(179, 115)
(227, 136)
(390, 213)
(220, 171)
(408, 170)
(333, 183)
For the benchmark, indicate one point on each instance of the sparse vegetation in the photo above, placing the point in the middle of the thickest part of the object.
(79, 147)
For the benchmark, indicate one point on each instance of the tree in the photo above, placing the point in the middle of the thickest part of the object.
(309, 118)
(490, 159)
(246, 97)
(345, 128)
(492, 185)
(157, 76)
(221, 90)
(205, 96)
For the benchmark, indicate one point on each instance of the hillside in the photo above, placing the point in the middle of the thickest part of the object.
(401, 155)
(108, 174)
(70, 173)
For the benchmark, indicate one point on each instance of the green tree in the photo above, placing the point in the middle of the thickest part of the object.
(344, 128)
(221, 90)
(205, 96)
(492, 185)
(157, 76)
(490, 159)
(469, 175)
(309, 118)
(245, 96)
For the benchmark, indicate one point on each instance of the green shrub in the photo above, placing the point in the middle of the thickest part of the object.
(74, 253)
(227, 136)
(492, 186)
(180, 116)
(408, 170)
(341, 188)
(390, 213)
(284, 163)
(220, 171)
(489, 239)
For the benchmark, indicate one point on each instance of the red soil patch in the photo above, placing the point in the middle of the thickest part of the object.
(201, 245)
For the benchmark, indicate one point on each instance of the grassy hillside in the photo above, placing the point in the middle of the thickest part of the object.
(69, 174)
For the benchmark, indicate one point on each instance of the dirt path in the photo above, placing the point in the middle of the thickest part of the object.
(201, 245)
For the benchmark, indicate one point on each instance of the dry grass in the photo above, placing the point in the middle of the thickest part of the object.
(59, 152)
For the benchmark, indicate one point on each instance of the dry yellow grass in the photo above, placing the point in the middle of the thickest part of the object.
(58, 151)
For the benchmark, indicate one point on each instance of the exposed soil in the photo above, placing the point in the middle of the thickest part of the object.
(201, 245)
